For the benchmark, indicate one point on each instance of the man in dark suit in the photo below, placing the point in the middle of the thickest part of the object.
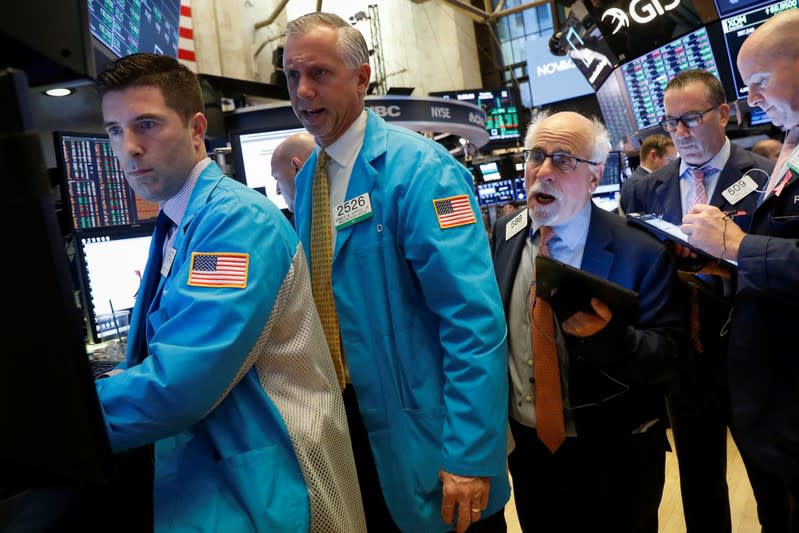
(656, 151)
(604, 470)
(763, 364)
(696, 116)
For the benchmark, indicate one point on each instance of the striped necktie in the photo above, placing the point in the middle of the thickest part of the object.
(322, 264)
(549, 423)
(698, 196)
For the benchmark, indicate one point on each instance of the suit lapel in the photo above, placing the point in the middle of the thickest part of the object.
(597, 259)
(667, 193)
(506, 261)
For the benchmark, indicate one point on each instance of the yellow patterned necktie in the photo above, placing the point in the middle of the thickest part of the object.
(322, 264)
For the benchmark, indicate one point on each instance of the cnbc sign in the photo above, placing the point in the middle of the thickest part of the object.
(641, 11)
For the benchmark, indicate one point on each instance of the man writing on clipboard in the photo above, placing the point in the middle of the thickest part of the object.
(762, 365)
(586, 409)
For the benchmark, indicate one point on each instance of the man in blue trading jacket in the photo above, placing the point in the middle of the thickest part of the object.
(227, 371)
(410, 304)
(762, 360)
(604, 469)
(696, 116)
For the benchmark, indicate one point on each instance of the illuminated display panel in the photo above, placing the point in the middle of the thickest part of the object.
(646, 77)
(93, 186)
(129, 26)
(737, 28)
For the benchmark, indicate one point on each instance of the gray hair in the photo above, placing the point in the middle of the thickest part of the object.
(599, 135)
(351, 44)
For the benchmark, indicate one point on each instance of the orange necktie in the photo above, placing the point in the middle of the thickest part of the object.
(322, 264)
(550, 425)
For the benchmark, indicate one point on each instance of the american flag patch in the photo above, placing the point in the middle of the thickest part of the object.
(219, 270)
(454, 211)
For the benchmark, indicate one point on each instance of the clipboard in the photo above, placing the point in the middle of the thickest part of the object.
(570, 289)
(666, 231)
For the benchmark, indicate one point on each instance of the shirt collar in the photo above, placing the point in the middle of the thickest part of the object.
(718, 161)
(346, 147)
(574, 231)
(176, 206)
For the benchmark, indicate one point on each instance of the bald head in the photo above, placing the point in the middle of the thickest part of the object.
(769, 148)
(287, 160)
(769, 64)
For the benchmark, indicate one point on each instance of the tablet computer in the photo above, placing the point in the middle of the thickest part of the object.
(666, 231)
(570, 289)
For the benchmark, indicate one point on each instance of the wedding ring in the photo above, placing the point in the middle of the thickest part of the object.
(476, 510)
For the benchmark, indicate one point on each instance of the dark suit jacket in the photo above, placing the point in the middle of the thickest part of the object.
(641, 355)
(659, 192)
(638, 174)
(763, 354)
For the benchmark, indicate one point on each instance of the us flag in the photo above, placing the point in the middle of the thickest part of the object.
(454, 211)
(219, 269)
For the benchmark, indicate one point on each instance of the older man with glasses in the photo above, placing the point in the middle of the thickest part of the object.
(586, 403)
(696, 115)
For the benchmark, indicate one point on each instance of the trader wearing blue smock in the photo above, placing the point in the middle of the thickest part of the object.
(227, 370)
(419, 315)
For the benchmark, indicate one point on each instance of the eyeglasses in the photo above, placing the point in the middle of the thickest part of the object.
(561, 161)
(691, 120)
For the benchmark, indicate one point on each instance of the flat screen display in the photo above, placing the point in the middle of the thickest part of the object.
(495, 192)
(615, 109)
(129, 26)
(93, 186)
(646, 77)
(737, 28)
(111, 265)
(552, 78)
(501, 108)
(490, 171)
(730, 7)
(519, 191)
(253, 153)
(758, 117)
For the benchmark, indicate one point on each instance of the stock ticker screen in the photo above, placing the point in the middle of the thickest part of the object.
(646, 77)
(129, 26)
(93, 185)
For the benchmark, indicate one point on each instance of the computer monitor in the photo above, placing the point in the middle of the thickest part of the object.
(646, 76)
(616, 167)
(519, 190)
(111, 264)
(129, 26)
(495, 193)
(503, 121)
(758, 117)
(253, 151)
(489, 171)
(738, 27)
(615, 108)
(94, 191)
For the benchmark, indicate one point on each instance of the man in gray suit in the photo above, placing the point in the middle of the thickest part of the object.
(696, 116)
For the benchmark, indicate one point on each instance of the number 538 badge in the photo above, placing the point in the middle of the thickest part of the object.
(352, 211)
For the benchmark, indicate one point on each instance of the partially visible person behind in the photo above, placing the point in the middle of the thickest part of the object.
(409, 296)
(596, 463)
(768, 148)
(656, 151)
(227, 371)
(287, 160)
(763, 367)
(696, 117)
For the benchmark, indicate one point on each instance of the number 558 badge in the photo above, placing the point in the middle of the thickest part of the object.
(352, 211)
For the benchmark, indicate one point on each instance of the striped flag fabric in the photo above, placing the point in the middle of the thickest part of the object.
(186, 37)
(219, 269)
(454, 211)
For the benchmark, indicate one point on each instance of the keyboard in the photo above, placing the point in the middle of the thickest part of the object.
(102, 366)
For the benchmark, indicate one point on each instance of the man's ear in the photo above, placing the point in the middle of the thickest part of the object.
(296, 164)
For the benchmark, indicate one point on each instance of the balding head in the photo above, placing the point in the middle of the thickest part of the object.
(769, 148)
(769, 64)
(287, 160)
